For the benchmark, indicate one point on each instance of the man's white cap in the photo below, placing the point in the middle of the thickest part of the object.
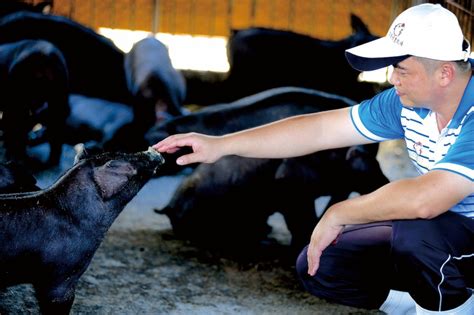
(426, 30)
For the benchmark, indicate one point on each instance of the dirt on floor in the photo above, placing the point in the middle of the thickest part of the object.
(141, 268)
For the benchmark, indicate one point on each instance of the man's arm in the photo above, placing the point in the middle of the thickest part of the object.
(290, 137)
(425, 196)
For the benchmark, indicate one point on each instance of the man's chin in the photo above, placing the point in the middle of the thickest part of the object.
(405, 102)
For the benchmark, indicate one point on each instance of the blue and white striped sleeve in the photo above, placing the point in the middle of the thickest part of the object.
(378, 118)
(460, 156)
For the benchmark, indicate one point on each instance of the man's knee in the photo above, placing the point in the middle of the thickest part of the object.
(336, 281)
(310, 283)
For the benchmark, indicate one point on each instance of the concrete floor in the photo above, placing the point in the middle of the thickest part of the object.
(141, 268)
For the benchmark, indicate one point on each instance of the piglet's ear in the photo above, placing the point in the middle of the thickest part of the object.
(112, 177)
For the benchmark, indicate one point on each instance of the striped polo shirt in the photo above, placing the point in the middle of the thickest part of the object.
(384, 117)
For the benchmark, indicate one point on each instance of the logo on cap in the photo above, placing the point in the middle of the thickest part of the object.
(396, 32)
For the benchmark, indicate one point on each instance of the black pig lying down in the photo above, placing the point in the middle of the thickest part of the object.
(94, 119)
(48, 237)
(248, 112)
(34, 89)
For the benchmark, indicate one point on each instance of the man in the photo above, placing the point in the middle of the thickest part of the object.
(412, 240)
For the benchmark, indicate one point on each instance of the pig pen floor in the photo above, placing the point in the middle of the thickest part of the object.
(140, 268)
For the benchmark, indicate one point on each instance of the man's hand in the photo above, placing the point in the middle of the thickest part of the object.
(324, 234)
(205, 148)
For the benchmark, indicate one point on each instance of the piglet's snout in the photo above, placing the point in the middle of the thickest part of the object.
(155, 156)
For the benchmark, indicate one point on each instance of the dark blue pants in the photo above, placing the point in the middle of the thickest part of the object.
(433, 260)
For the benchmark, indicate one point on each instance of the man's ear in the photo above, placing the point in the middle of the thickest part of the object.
(447, 73)
(111, 177)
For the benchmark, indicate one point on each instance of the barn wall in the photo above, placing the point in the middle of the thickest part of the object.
(326, 19)
(464, 10)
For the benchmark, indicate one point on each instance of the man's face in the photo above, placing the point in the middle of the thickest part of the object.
(412, 83)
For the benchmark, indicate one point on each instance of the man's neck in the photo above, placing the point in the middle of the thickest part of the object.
(448, 104)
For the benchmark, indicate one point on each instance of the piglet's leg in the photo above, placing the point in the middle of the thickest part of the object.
(300, 219)
(15, 133)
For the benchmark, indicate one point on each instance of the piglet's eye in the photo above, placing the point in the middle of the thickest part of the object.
(119, 167)
(114, 163)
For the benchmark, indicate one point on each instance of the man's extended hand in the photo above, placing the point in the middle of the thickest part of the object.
(205, 148)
